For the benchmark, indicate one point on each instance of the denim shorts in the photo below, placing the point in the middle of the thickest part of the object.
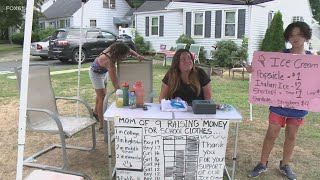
(99, 81)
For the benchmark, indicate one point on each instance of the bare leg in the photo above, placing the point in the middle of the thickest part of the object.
(95, 107)
(290, 142)
(271, 136)
(101, 93)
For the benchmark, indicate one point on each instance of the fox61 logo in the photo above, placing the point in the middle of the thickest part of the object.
(11, 8)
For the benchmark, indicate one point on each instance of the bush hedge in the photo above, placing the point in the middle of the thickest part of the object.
(37, 35)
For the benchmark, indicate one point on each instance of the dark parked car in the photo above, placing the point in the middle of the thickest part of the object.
(64, 44)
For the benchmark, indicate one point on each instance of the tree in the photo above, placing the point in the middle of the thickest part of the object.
(136, 3)
(12, 14)
(273, 40)
(315, 6)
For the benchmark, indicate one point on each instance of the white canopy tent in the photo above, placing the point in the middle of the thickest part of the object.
(25, 77)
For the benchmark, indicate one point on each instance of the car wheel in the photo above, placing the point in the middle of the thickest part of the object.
(75, 56)
(44, 57)
(63, 59)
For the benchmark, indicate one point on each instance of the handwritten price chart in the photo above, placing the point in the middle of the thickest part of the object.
(170, 149)
(287, 80)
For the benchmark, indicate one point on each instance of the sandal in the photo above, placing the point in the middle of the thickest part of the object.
(95, 115)
(100, 129)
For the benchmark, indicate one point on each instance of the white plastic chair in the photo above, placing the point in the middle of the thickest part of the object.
(195, 49)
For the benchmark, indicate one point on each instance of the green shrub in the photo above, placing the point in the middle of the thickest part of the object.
(142, 46)
(185, 40)
(17, 38)
(242, 52)
(202, 55)
(273, 40)
(46, 32)
(224, 54)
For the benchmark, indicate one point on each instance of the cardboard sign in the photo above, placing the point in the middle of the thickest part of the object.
(170, 149)
(287, 80)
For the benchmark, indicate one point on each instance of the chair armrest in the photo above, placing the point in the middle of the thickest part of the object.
(151, 95)
(106, 100)
(79, 100)
(51, 114)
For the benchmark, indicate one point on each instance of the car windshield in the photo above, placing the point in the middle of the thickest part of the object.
(45, 39)
(58, 34)
(74, 34)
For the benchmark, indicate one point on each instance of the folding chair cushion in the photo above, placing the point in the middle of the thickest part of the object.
(49, 175)
(71, 125)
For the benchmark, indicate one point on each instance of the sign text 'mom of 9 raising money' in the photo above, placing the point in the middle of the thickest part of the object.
(287, 80)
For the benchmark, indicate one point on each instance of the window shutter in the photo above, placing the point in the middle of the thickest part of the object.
(241, 22)
(188, 24)
(147, 26)
(207, 26)
(161, 26)
(218, 24)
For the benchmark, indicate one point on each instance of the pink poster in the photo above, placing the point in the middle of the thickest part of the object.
(287, 80)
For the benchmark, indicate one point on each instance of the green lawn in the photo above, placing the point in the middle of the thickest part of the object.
(7, 48)
(225, 90)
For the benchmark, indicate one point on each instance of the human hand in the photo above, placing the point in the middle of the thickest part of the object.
(140, 58)
(249, 68)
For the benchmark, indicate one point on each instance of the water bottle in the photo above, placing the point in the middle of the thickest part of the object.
(138, 88)
(125, 89)
(119, 98)
(132, 99)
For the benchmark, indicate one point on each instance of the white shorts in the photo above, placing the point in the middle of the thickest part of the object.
(99, 81)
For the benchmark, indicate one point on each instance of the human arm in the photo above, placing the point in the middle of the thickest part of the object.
(133, 53)
(207, 91)
(163, 92)
(113, 75)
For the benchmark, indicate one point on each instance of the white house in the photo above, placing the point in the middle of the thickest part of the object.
(209, 21)
(105, 14)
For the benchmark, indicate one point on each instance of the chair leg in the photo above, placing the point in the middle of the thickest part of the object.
(29, 161)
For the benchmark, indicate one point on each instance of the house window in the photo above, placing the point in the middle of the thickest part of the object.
(109, 4)
(93, 23)
(154, 25)
(42, 26)
(133, 23)
(62, 24)
(53, 24)
(297, 18)
(67, 22)
(230, 23)
(198, 23)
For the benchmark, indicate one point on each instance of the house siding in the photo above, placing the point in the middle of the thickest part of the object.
(258, 26)
(207, 43)
(93, 9)
(171, 30)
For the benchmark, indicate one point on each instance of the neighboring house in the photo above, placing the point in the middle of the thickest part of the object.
(209, 21)
(105, 14)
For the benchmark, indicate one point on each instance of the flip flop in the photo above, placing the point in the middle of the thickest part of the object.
(95, 115)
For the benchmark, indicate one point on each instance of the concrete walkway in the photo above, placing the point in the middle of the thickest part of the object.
(56, 72)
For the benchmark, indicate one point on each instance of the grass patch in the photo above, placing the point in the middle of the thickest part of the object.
(225, 90)
(7, 48)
